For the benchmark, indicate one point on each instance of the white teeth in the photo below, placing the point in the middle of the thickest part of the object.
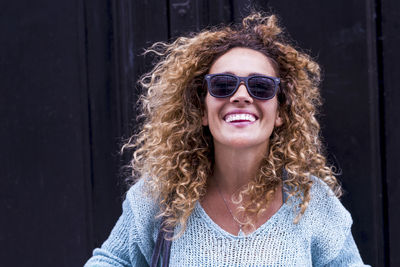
(239, 117)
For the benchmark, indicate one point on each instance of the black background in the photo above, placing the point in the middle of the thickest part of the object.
(68, 72)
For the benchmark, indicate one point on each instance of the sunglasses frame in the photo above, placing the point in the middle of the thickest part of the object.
(239, 80)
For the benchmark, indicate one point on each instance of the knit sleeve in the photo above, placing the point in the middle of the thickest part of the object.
(121, 249)
(348, 255)
(332, 242)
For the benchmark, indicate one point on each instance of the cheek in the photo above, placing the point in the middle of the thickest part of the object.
(213, 107)
(270, 109)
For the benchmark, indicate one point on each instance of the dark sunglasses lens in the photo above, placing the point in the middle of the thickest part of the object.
(222, 85)
(262, 87)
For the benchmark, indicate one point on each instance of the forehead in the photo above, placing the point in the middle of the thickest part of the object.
(243, 62)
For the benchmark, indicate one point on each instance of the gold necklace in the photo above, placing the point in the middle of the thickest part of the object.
(240, 233)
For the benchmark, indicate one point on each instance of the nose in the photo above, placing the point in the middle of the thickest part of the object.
(241, 95)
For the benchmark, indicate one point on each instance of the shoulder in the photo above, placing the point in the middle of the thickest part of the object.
(144, 209)
(131, 240)
(143, 205)
(139, 193)
(325, 205)
(329, 221)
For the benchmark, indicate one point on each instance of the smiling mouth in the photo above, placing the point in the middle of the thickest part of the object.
(240, 118)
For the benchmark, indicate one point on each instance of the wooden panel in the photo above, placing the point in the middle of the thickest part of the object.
(45, 161)
(240, 8)
(105, 130)
(390, 100)
(115, 64)
(135, 30)
(185, 16)
(193, 15)
(218, 12)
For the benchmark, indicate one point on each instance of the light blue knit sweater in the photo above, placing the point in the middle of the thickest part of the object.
(321, 238)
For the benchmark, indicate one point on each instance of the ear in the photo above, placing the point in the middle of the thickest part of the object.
(204, 119)
(278, 119)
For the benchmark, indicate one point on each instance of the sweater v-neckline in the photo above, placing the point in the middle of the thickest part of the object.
(213, 225)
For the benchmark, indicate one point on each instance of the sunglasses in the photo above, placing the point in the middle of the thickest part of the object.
(258, 86)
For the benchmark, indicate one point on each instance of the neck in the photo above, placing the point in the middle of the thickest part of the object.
(235, 168)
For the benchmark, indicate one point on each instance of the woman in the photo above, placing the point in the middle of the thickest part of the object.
(228, 158)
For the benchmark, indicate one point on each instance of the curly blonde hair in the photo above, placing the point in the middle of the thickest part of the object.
(174, 152)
